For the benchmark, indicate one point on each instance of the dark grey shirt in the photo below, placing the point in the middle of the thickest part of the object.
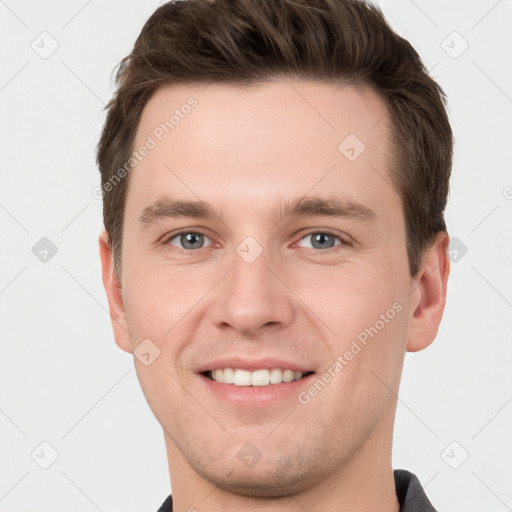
(410, 494)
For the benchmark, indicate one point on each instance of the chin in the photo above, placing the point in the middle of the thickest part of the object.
(273, 476)
(273, 483)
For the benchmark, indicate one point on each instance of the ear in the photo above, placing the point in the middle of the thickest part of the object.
(430, 289)
(114, 295)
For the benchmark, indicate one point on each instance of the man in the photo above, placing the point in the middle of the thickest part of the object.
(275, 175)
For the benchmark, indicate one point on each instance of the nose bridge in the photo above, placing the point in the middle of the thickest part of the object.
(252, 296)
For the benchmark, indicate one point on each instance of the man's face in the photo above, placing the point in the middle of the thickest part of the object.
(250, 289)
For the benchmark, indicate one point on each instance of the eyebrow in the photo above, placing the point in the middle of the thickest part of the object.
(165, 208)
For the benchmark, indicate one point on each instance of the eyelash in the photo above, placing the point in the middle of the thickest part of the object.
(314, 232)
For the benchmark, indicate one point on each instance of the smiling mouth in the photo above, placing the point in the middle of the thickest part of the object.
(259, 378)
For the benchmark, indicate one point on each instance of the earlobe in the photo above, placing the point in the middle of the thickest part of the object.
(431, 286)
(114, 295)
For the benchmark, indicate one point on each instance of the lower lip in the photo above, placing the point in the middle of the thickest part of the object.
(255, 396)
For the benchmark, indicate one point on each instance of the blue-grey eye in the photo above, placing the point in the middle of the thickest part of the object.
(189, 240)
(321, 240)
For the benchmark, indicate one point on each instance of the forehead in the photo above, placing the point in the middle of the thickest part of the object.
(288, 134)
(325, 110)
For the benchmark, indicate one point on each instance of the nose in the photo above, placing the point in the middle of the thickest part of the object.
(253, 297)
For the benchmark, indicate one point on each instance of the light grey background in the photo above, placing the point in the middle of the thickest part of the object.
(63, 380)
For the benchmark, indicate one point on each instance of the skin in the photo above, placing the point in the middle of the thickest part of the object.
(242, 149)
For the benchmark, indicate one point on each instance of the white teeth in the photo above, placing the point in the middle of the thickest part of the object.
(242, 378)
(261, 377)
(287, 375)
(228, 375)
(276, 376)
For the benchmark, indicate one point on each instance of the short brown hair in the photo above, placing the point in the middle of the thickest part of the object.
(249, 41)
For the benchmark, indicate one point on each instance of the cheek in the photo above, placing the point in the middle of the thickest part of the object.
(347, 300)
(364, 320)
(156, 306)
(166, 305)
(365, 340)
(158, 300)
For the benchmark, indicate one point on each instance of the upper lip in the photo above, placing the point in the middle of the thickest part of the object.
(253, 364)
